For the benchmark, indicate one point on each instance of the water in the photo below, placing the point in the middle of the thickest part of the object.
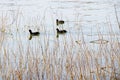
(85, 21)
(81, 17)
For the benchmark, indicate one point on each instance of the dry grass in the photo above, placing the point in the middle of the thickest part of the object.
(40, 59)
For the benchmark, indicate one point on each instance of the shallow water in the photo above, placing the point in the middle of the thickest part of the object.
(85, 21)
(89, 18)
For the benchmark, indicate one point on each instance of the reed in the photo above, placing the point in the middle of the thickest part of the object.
(60, 59)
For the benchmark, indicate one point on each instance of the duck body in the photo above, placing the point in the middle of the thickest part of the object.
(61, 31)
(34, 33)
(59, 22)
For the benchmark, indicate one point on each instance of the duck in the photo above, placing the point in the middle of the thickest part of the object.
(34, 33)
(61, 31)
(59, 22)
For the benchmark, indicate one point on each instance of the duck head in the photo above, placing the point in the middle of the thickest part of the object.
(30, 31)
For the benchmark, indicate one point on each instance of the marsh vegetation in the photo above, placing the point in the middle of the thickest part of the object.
(90, 50)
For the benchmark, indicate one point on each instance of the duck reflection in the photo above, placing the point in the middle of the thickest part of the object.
(30, 37)
(57, 36)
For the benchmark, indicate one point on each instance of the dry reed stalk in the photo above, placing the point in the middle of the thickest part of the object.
(116, 15)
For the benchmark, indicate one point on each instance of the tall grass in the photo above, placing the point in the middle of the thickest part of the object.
(61, 59)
